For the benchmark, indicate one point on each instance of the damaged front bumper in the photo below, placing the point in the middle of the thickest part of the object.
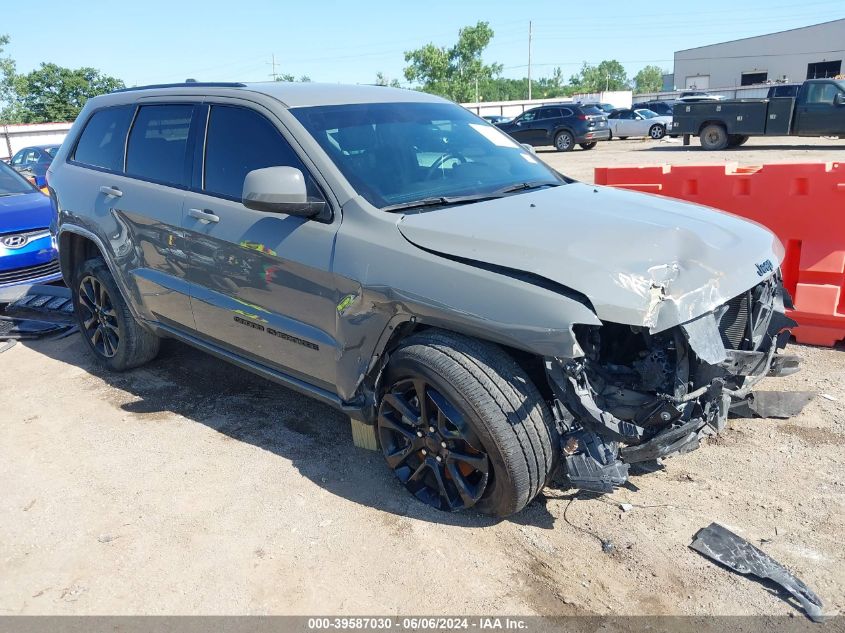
(637, 396)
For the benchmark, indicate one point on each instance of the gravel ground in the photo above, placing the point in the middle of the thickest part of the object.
(192, 487)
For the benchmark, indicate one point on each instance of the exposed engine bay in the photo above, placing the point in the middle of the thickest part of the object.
(636, 396)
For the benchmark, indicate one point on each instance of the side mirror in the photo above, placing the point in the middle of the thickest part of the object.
(839, 99)
(279, 190)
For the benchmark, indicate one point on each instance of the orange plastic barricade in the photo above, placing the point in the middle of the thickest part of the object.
(803, 204)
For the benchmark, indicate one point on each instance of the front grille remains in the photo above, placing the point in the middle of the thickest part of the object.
(17, 275)
(734, 322)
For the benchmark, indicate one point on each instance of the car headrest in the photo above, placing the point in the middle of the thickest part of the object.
(356, 138)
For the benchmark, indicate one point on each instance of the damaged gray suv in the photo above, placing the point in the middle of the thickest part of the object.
(486, 322)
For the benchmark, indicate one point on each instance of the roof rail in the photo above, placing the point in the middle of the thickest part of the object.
(187, 84)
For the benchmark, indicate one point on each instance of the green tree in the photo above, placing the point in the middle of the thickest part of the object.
(289, 77)
(8, 110)
(649, 79)
(382, 80)
(454, 72)
(608, 75)
(55, 93)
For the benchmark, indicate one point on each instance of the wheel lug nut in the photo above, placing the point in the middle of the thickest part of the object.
(442, 444)
(431, 429)
(439, 459)
(424, 452)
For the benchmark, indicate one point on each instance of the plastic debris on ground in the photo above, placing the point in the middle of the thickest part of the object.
(720, 544)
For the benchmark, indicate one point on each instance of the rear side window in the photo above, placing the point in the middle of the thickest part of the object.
(158, 143)
(102, 141)
(240, 140)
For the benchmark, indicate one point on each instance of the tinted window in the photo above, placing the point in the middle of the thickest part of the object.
(592, 110)
(240, 140)
(158, 143)
(101, 143)
(565, 112)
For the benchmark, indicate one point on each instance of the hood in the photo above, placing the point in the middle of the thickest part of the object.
(25, 212)
(640, 259)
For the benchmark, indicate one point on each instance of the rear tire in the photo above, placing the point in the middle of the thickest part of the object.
(484, 439)
(564, 141)
(590, 145)
(713, 137)
(115, 338)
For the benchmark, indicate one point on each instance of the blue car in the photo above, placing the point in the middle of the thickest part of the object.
(35, 160)
(27, 250)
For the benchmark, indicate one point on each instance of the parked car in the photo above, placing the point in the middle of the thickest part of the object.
(663, 108)
(818, 110)
(496, 118)
(562, 126)
(625, 123)
(27, 250)
(35, 160)
(607, 108)
(483, 319)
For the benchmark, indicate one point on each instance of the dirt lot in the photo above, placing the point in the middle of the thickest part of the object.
(190, 486)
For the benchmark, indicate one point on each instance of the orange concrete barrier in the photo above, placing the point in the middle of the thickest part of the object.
(803, 204)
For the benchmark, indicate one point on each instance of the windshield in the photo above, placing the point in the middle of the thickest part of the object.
(399, 153)
(646, 114)
(11, 183)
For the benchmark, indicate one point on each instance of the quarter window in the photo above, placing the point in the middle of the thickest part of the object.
(158, 143)
(102, 141)
(241, 140)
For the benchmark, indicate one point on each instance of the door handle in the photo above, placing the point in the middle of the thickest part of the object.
(203, 214)
(114, 192)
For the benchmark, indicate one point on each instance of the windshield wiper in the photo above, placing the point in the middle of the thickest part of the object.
(443, 201)
(454, 200)
(524, 186)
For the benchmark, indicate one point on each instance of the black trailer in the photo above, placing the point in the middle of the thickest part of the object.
(817, 110)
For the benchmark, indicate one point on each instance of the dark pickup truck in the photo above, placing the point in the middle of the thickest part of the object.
(817, 110)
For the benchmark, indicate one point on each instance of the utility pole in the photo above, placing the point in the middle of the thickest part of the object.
(476, 88)
(529, 60)
(273, 64)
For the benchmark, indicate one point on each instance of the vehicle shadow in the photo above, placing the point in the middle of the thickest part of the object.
(314, 437)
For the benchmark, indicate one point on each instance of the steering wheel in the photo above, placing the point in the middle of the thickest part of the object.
(437, 164)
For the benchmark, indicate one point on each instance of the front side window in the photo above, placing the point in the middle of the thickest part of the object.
(402, 153)
(102, 141)
(241, 140)
(158, 143)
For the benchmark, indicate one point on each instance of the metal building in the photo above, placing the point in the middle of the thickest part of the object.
(794, 55)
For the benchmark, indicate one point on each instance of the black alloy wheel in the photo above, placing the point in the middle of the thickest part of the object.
(99, 317)
(431, 447)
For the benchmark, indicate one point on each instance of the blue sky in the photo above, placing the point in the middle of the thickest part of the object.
(154, 41)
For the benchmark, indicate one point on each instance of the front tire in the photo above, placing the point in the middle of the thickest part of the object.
(564, 141)
(657, 131)
(462, 426)
(112, 334)
(713, 137)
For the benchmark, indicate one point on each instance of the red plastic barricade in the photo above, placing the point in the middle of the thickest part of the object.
(803, 204)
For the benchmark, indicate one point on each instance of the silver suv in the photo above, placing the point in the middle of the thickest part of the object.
(484, 320)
